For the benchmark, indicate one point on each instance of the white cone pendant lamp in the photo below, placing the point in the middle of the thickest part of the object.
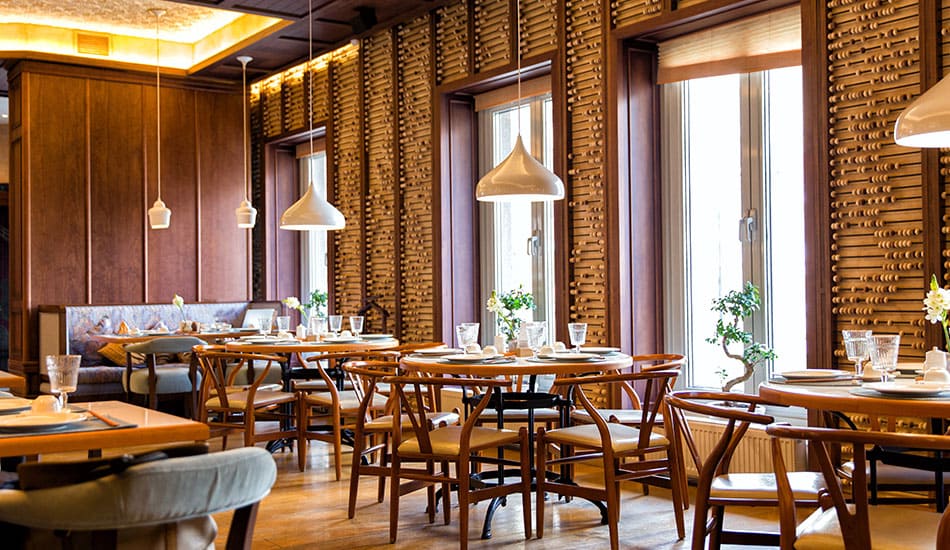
(159, 215)
(520, 177)
(246, 213)
(311, 212)
(926, 122)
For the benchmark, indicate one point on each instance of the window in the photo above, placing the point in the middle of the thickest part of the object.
(517, 247)
(313, 244)
(733, 194)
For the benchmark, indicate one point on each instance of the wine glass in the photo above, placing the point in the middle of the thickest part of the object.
(578, 334)
(336, 323)
(63, 371)
(535, 332)
(856, 346)
(283, 324)
(356, 325)
(884, 351)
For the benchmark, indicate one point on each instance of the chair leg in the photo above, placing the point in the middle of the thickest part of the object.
(430, 492)
(355, 473)
(540, 470)
(446, 495)
(526, 482)
(337, 444)
(394, 500)
(462, 471)
(303, 443)
(676, 489)
(715, 534)
(383, 461)
(612, 489)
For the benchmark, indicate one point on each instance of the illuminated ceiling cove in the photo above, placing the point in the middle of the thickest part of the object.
(124, 30)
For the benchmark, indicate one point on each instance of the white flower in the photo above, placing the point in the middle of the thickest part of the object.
(292, 302)
(178, 301)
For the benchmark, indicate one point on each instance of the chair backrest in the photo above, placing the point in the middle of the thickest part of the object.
(853, 519)
(409, 394)
(220, 368)
(655, 384)
(366, 376)
(652, 362)
(739, 412)
(154, 493)
(323, 361)
(171, 344)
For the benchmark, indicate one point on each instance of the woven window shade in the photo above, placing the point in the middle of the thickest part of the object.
(766, 41)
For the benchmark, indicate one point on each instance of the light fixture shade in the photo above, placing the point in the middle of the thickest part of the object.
(312, 213)
(246, 215)
(520, 177)
(926, 122)
(159, 215)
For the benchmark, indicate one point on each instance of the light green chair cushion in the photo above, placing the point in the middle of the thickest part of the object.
(168, 379)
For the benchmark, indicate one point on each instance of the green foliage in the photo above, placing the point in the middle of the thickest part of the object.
(505, 307)
(318, 301)
(733, 309)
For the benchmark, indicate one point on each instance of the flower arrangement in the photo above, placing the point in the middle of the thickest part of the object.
(318, 302)
(736, 306)
(179, 302)
(505, 307)
(937, 306)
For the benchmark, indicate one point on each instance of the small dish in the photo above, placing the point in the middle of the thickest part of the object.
(437, 352)
(45, 421)
(376, 336)
(341, 340)
(468, 358)
(571, 357)
(814, 373)
(600, 351)
(14, 404)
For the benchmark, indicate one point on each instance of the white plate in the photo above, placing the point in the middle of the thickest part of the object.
(47, 421)
(814, 373)
(570, 357)
(437, 352)
(341, 340)
(469, 358)
(918, 388)
(14, 404)
(600, 351)
(376, 336)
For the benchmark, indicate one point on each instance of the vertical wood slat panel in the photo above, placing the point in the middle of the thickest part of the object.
(57, 216)
(415, 144)
(876, 204)
(172, 252)
(116, 192)
(379, 151)
(224, 246)
(348, 273)
(452, 42)
(493, 34)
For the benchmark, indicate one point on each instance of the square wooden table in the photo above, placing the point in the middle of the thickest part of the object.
(151, 428)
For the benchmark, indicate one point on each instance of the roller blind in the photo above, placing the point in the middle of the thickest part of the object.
(765, 41)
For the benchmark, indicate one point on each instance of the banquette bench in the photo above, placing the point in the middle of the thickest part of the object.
(72, 329)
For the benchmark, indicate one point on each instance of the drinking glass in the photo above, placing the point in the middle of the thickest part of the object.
(63, 371)
(336, 323)
(318, 325)
(857, 349)
(535, 331)
(578, 334)
(283, 323)
(884, 351)
(471, 332)
(356, 325)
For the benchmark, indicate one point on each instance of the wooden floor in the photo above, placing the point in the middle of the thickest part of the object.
(308, 510)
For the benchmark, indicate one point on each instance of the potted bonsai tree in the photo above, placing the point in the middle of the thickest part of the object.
(734, 308)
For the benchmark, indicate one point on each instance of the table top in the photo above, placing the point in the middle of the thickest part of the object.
(151, 428)
(307, 346)
(828, 397)
(521, 366)
(207, 336)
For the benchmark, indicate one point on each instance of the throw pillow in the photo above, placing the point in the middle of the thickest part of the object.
(116, 354)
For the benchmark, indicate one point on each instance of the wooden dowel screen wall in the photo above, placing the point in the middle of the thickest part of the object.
(380, 105)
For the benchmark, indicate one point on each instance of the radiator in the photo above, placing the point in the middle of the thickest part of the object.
(755, 450)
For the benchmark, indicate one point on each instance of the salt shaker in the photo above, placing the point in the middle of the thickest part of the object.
(935, 367)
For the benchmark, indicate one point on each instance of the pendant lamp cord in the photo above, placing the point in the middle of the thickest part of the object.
(247, 183)
(310, 76)
(158, 105)
(518, 57)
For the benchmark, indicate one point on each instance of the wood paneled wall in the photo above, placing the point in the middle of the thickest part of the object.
(83, 176)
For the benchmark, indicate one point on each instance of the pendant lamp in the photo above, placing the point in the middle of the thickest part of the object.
(311, 212)
(926, 122)
(159, 215)
(246, 213)
(520, 177)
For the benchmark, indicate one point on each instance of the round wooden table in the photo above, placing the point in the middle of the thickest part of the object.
(521, 366)
(828, 397)
(145, 337)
